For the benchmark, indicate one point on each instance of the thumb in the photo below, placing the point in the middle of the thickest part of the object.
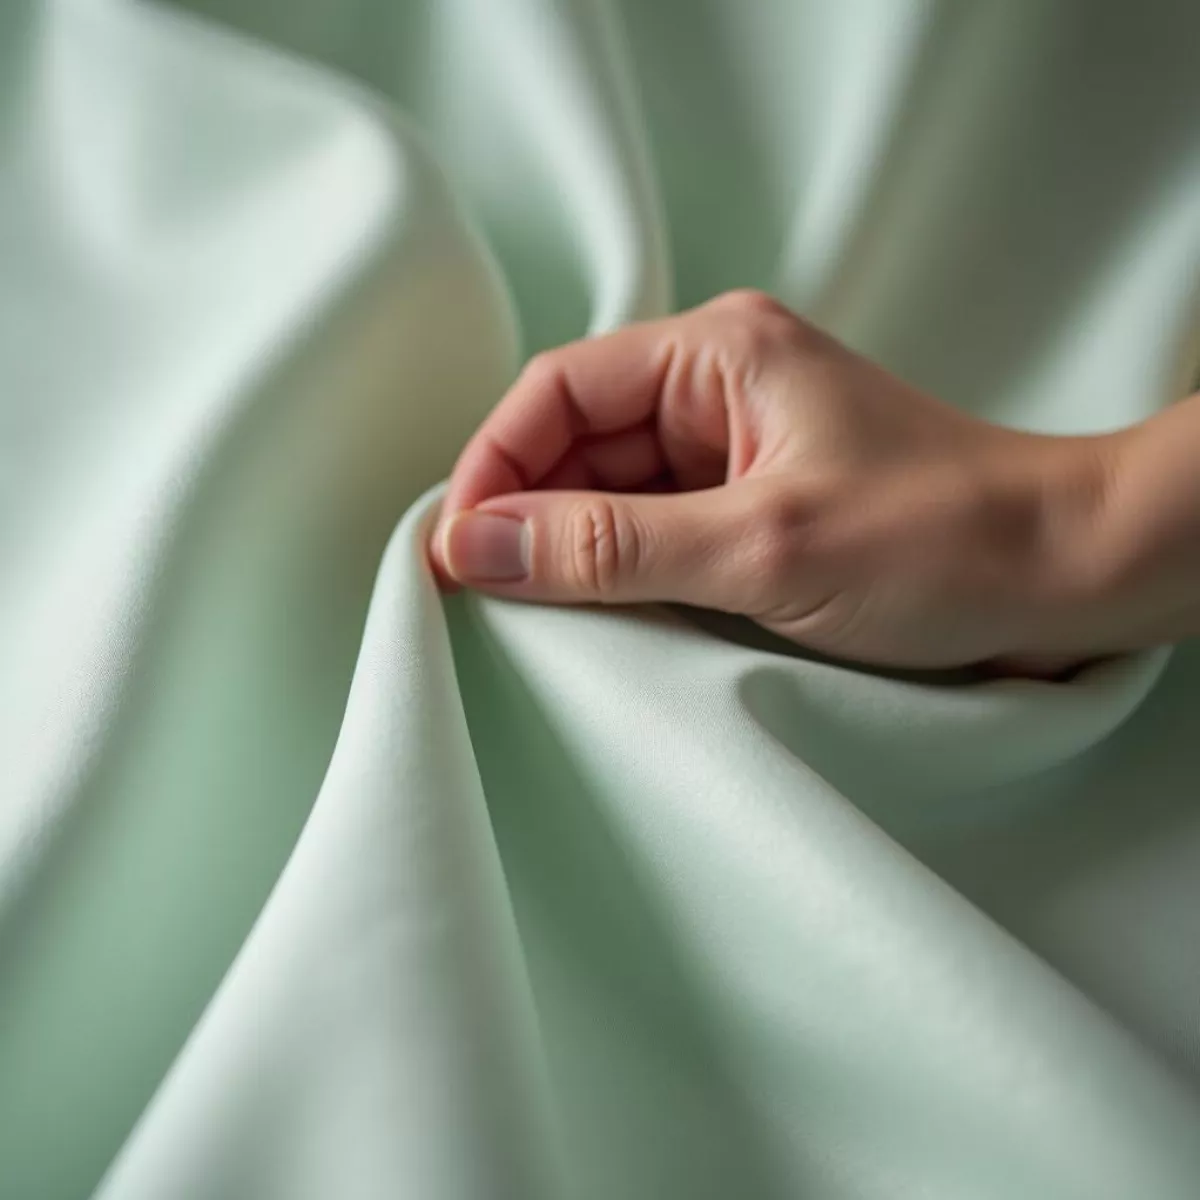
(593, 547)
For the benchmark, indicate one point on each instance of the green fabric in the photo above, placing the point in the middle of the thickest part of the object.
(463, 899)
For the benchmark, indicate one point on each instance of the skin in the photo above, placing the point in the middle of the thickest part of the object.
(735, 457)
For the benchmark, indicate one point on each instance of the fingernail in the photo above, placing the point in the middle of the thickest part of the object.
(486, 548)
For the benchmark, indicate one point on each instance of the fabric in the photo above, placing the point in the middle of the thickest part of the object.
(314, 884)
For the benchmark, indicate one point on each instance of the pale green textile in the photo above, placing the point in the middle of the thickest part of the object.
(549, 904)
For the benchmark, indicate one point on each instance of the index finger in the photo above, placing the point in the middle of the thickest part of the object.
(589, 388)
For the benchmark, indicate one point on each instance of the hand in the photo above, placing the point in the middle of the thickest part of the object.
(737, 458)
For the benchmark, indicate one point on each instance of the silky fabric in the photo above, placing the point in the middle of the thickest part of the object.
(315, 883)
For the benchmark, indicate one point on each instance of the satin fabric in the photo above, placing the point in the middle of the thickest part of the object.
(314, 883)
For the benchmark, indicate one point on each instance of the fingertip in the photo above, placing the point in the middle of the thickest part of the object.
(482, 549)
(484, 470)
(435, 555)
(447, 585)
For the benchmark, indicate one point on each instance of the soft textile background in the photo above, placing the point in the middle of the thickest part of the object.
(468, 900)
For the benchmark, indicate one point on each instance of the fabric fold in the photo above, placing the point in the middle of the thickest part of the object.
(314, 882)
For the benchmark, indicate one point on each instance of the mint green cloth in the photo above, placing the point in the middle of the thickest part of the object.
(302, 899)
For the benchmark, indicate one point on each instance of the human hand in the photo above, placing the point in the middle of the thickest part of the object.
(737, 458)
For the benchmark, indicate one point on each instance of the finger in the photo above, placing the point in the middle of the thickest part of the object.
(571, 475)
(625, 460)
(600, 386)
(591, 547)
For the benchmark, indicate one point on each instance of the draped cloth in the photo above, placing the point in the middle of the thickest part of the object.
(314, 883)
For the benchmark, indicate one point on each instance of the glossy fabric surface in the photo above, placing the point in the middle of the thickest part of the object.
(314, 884)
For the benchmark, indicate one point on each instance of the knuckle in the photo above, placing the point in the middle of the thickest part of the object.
(783, 535)
(752, 302)
(602, 547)
(755, 326)
(541, 371)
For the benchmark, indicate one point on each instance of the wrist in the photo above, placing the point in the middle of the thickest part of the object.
(1079, 566)
(1148, 546)
(1122, 522)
